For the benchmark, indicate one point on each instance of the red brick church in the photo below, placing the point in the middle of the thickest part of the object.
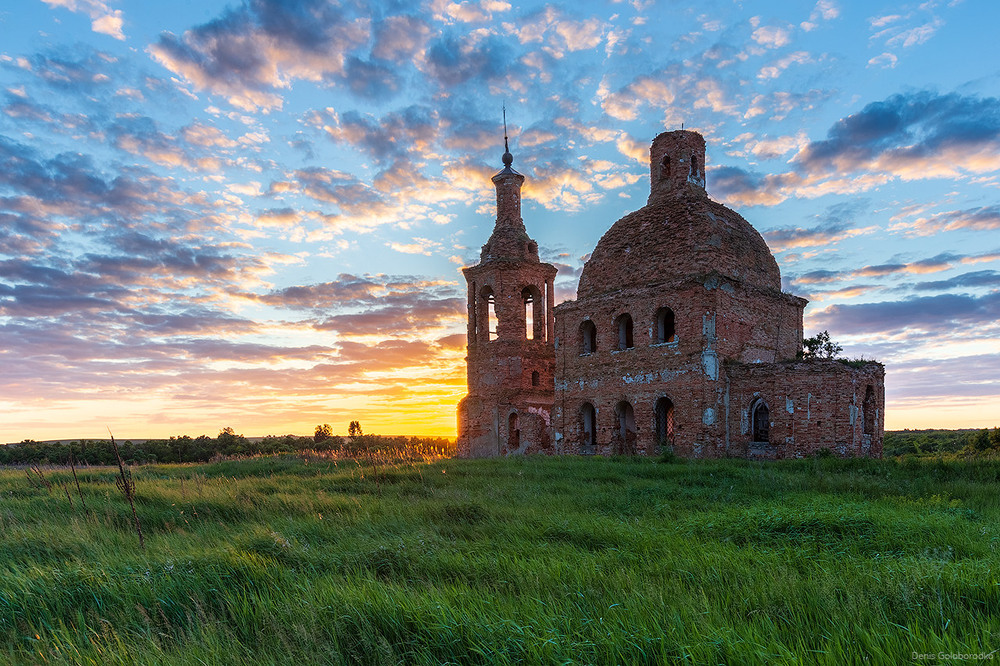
(680, 338)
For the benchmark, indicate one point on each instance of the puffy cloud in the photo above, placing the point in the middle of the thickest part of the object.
(771, 37)
(911, 137)
(390, 136)
(467, 11)
(206, 136)
(105, 20)
(775, 69)
(476, 56)
(826, 10)
(400, 38)
(251, 52)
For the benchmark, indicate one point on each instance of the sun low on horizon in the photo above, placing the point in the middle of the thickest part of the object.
(255, 214)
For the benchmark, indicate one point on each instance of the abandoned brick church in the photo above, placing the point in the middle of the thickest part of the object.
(679, 337)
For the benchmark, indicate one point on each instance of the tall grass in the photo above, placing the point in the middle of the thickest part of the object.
(325, 559)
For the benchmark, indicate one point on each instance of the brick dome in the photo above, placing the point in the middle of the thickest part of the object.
(680, 232)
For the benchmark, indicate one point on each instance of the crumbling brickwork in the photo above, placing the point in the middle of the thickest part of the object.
(680, 337)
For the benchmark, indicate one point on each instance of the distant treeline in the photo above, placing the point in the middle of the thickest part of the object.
(923, 442)
(185, 449)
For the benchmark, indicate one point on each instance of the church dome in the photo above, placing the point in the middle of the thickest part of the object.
(680, 232)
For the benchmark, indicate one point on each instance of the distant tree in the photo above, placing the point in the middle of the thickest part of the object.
(354, 430)
(230, 443)
(820, 346)
(323, 433)
(984, 439)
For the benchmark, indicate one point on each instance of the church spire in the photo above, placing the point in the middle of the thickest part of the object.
(509, 239)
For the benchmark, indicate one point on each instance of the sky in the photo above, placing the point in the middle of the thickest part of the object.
(255, 215)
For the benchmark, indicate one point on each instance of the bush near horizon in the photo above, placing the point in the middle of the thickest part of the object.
(541, 560)
(186, 449)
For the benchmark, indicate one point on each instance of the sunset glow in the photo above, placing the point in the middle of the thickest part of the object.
(255, 214)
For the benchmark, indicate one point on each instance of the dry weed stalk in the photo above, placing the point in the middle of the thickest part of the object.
(48, 486)
(126, 485)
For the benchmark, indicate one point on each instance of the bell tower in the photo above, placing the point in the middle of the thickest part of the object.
(511, 333)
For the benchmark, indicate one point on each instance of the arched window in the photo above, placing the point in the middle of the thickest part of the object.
(491, 313)
(534, 313)
(626, 427)
(665, 167)
(588, 337)
(588, 425)
(869, 409)
(474, 312)
(528, 298)
(760, 422)
(664, 422)
(694, 166)
(513, 433)
(534, 378)
(665, 331)
(624, 326)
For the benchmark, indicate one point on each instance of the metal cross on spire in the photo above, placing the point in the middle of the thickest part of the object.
(508, 159)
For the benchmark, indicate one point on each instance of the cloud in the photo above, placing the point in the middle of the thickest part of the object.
(945, 313)
(972, 279)
(400, 316)
(912, 136)
(985, 218)
(476, 56)
(771, 37)
(826, 10)
(423, 246)
(917, 135)
(104, 20)
(467, 11)
(936, 264)
(914, 36)
(775, 69)
(250, 53)
(886, 60)
(414, 129)
(400, 39)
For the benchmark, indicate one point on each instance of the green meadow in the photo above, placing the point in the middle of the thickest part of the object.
(302, 560)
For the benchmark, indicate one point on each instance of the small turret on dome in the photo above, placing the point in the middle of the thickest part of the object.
(677, 161)
(680, 231)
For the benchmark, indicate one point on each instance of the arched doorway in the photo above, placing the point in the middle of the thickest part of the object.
(665, 423)
(626, 434)
(760, 422)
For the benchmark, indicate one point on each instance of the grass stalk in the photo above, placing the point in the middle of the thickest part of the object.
(72, 464)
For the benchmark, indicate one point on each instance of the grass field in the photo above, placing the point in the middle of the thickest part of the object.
(538, 560)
